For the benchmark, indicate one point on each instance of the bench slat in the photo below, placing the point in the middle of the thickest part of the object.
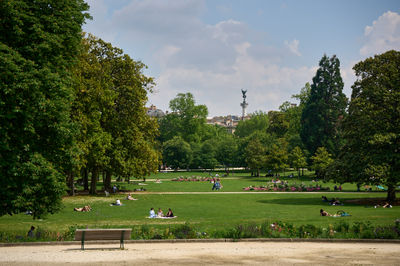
(103, 234)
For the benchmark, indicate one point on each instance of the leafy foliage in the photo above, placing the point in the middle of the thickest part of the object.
(324, 108)
(39, 42)
(372, 129)
(177, 153)
(322, 160)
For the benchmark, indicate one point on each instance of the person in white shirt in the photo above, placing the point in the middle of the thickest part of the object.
(152, 213)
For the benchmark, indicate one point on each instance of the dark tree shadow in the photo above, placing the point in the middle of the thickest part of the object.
(315, 201)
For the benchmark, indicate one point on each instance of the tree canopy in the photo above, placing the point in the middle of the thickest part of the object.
(186, 119)
(39, 43)
(116, 135)
(324, 109)
(371, 131)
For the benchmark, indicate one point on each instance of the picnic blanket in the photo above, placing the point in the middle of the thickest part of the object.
(341, 214)
(162, 217)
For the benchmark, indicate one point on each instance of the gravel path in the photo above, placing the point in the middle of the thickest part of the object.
(230, 253)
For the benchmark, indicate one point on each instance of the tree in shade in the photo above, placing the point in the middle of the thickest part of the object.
(324, 109)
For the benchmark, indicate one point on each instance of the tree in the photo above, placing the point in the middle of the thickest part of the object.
(227, 151)
(324, 108)
(297, 159)
(177, 153)
(278, 124)
(116, 134)
(255, 155)
(322, 160)
(371, 131)
(277, 155)
(39, 43)
(187, 119)
(259, 121)
(208, 154)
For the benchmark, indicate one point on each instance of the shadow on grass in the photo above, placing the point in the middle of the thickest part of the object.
(316, 201)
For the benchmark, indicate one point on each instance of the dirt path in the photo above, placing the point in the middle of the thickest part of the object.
(230, 253)
(239, 192)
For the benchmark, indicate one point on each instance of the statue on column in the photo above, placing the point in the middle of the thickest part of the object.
(244, 94)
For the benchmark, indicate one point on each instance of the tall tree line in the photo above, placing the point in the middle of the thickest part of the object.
(39, 41)
(70, 106)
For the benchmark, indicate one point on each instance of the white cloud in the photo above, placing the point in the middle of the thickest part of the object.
(213, 61)
(293, 46)
(382, 35)
(268, 85)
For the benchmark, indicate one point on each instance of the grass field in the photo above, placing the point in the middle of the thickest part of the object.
(207, 211)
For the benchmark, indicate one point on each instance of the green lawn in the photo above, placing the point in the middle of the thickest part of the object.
(233, 182)
(207, 212)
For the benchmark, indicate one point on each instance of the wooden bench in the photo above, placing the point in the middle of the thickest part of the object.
(103, 234)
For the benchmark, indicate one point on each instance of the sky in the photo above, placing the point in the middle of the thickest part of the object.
(215, 48)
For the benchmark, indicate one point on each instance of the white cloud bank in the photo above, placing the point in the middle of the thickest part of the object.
(216, 61)
(293, 46)
(383, 35)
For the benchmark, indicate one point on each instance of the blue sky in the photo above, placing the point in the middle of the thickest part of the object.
(215, 48)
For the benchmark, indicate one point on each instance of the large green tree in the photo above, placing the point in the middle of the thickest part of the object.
(321, 162)
(116, 135)
(177, 153)
(297, 159)
(255, 156)
(371, 131)
(259, 121)
(324, 109)
(39, 43)
(186, 120)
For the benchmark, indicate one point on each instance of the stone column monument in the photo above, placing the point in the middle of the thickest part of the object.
(244, 104)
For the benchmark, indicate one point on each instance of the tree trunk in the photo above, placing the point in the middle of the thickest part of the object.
(391, 195)
(93, 183)
(107, 181)
(85, 179)
(70, 184)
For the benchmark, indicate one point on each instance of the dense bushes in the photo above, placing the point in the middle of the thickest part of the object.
(340, 230)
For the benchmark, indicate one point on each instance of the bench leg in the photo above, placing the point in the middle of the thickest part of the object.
(121, 243)
(83, 241)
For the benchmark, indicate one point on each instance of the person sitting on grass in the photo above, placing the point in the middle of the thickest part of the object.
(160, 213)
(335, 202)
(169, 213)
(31, 232)
(117, 203)
(324, 213)
(325, 199)
(152, 213)
(129, 197)
(86, 208)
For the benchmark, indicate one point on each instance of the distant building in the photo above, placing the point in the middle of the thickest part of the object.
(229, 122)
(152, 111)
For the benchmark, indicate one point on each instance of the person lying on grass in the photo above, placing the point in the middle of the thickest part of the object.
(129, 197)
(386, 205)
(338, 214)
(86, 208)
(324, 213)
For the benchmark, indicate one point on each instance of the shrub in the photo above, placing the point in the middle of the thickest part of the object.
(185, 231)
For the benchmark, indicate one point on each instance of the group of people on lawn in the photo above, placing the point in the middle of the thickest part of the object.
(160, 213)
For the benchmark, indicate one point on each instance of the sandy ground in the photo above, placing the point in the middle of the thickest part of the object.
(229, 253)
